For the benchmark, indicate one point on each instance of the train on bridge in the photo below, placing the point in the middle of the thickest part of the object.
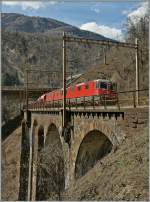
(103, 88)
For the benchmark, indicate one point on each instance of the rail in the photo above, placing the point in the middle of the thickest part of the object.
(123, 99)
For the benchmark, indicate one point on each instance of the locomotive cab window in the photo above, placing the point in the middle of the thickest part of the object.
(101, 85)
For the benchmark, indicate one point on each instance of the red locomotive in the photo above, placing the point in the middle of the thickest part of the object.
(101, 88)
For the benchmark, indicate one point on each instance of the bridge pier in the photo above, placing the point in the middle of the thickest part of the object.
(24, 162)
(33, 162)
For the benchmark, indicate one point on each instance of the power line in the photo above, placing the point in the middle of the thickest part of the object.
(101, 42)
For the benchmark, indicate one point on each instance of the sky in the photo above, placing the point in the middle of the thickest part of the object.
(103, 17)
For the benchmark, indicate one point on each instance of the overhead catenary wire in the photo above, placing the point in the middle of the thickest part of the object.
(100, 42)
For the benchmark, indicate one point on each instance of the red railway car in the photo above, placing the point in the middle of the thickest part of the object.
(101, 87)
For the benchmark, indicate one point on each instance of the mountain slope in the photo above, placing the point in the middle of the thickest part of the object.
(17, 22)
(14, 22)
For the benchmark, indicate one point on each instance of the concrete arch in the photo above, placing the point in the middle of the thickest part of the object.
(94, 146)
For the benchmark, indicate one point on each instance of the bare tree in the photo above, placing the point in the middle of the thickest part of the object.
(138, 29)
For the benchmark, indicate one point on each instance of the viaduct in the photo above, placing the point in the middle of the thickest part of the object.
(91, 134)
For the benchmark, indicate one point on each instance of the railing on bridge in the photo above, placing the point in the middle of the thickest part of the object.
(123, 99)
(23, 88)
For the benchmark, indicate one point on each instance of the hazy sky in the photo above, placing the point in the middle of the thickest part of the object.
(106, 18)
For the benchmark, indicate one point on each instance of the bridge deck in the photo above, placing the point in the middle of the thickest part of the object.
(93, 109)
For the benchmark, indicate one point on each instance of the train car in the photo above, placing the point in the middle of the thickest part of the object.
(98, 88)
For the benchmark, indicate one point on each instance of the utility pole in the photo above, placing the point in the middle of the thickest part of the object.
(64, 80)
(137, 72)
(30, 140)
(29, 196)
(104, 52)
(20, 99)
(27, 89)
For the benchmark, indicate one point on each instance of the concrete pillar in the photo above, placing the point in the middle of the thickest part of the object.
(30, 164)
(34, 164)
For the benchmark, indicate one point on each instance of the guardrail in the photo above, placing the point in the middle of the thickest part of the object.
(122, 99)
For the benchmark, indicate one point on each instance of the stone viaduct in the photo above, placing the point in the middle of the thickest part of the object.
(13, 99)
(91, 134)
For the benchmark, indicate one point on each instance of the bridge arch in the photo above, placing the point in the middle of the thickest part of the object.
(52, 135)
(93, 147)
